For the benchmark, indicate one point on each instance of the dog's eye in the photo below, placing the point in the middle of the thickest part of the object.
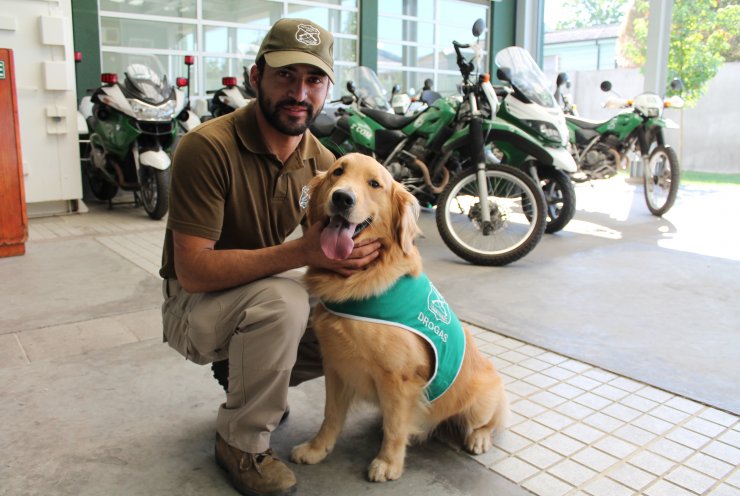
(374, 184)
(338, 171)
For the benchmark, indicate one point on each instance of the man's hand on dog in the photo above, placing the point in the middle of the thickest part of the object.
(363, 253)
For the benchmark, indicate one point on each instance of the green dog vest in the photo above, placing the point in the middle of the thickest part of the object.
(414, 304)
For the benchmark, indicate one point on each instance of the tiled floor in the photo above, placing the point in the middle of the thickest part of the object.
(576, 429)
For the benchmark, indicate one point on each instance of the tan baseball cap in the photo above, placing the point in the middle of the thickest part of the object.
(298, 41)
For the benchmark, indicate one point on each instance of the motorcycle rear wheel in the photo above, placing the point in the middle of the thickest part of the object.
(518, 216)
(560, 198)
(661, 178)
(155, 191)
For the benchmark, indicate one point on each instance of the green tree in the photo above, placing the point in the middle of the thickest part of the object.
(701, 40)
(587, 13)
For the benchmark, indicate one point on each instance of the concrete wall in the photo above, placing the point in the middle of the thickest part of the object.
(707, 138)
(40, 35)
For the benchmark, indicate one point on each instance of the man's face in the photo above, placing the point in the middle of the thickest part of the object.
(291, 97)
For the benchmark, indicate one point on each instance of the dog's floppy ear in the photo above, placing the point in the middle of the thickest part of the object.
(405, 216)
(313, 213)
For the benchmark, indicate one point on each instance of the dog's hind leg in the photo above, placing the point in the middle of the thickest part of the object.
(489, 412)
(338, 400)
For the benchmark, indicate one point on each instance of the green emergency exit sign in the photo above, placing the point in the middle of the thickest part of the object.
(2, 69)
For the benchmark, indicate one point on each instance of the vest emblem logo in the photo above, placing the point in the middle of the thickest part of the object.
(438, 306)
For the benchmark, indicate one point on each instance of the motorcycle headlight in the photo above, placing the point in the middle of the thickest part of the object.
(546, 129)
(145, 112)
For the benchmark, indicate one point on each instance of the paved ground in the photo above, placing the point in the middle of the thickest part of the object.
(618, 340)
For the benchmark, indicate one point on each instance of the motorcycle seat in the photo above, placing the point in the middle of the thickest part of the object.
(388, 120)
(584, 123)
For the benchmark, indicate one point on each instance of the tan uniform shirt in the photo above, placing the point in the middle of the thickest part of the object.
(228, 187)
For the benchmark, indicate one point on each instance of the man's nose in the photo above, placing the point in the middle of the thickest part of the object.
(299, 90)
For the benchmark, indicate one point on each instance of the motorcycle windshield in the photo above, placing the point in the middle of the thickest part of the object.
(144, 84)
(369, 88)
(526, 75)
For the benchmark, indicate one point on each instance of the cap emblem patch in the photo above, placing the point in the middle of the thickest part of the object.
(308, 35)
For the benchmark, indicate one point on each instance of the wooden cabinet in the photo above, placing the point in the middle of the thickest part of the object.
(13, 217)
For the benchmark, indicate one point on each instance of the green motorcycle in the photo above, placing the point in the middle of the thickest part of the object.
(487, 214)
(601, 148)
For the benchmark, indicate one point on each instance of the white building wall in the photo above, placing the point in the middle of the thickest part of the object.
(40, 34)
(707, 138)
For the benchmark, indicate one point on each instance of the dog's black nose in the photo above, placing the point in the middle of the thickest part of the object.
(343, 199)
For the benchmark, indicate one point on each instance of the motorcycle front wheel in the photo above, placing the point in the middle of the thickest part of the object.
(560, 198)
(155, 191)
(662, 175)
(517, 210)
(101, 187)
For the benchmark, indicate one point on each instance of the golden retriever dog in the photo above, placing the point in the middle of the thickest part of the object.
(371, 359)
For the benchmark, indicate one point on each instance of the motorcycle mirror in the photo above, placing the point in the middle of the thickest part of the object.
(504, 74)
(181, 82)
(228, 81)
(562, 79)
(677, 85)
(606, 86)
(396, 89)
(351, 87)
(479, 27)
(189, 60)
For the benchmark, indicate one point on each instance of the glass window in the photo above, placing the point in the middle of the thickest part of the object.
(232, 40)
(262, 12)
(215, 69)
(173, 8)
(423, 9)
(132, 33)
(461, 13)
(407, 44)
(345, 50)
(336, 21)
(404, 30)
(224, 36)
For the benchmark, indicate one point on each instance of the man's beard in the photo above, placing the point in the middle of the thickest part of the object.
(287, 125)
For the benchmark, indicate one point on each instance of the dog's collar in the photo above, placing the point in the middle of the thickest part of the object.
(362, 226)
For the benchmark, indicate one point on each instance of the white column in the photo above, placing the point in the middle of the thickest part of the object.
(658, 43)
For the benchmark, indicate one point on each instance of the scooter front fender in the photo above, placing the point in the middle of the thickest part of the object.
(157, 159)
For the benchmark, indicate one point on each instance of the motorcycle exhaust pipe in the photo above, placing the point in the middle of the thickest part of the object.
(428, 180)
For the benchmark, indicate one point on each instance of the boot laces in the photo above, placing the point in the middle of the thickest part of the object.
(255, 460)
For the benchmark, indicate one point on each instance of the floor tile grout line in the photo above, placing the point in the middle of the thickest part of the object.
(675, 426)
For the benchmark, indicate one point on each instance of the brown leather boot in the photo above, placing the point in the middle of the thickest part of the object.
(254, 474)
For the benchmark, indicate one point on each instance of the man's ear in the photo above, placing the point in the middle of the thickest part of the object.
(315, 188)
(254, 77)
(405, 216)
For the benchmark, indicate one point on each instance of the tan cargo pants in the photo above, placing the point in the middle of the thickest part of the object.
(261, 328)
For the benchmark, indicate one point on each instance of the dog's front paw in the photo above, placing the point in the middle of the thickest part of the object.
(478, 442)
(306, 454)
(381, 471)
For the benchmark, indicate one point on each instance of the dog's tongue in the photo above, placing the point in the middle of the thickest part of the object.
(336, 238)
